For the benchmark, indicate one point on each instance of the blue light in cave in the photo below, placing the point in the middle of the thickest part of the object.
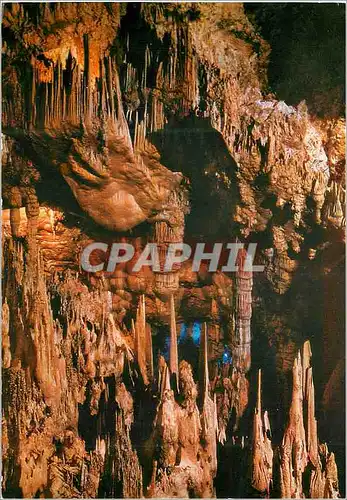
(196, 333)
(183, 333)
(166, 348)
(226, 356)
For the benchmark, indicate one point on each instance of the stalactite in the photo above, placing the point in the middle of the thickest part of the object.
(168, 282)
(87, 82)
(33, 95)
(141, 341)
(165, 233)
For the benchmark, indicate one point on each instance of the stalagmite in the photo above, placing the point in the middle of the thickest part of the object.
(165, 384)
(242, 341)
(323, 477)
(311, 426)
(173, 357)
(293, 448)
(189, 422)
(258, 408)
(262, 454)
(203, 367)
(236, 387)
(309, 405)
(300, 450)
(166, 424)
(306, 363)
(331, 486)
(208, 409)
(335, 205)
(149, 353)
(126, 471)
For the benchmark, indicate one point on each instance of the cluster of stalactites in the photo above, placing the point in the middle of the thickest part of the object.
(175, 88)
(76, 84)
(300, 450)
(72, 87)
(141, 331)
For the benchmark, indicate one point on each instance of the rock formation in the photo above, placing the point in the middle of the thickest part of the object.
(300, 450)
(151, 125)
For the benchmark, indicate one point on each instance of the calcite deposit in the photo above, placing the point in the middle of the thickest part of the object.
(158, 123)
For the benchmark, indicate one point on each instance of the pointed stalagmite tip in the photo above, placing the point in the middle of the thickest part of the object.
(165, 381)
(259, 393)
(203, 365)
(267, 426)
(173, 361)
(149, 353)
(306, 363)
